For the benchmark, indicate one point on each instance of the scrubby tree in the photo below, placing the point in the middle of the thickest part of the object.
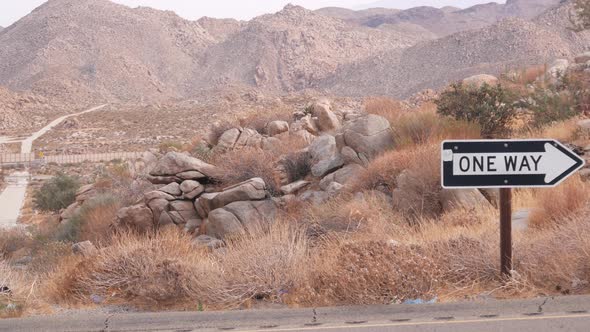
(57, 193)
(493, 108)
(580, 17)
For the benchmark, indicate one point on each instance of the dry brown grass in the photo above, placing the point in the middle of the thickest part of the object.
(12, 240)
(351, 217)
(558, 204)
(244, 164)
(18, 296)
(557, 260)
(369, 273)
(97, 217)
(388, 108)
(166, 271)
(424, 126)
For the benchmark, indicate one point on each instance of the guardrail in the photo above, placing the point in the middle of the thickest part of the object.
(27, 159)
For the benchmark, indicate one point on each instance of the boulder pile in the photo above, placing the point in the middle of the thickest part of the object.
(186, 199)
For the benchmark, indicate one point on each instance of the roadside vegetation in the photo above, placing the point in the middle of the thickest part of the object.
(386, 239)
(57, 194)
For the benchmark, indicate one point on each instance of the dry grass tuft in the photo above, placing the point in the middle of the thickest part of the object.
(166, 271)
(370, 273)
(15, 296)
(418, 187)
(388, 108)
(557, 260)
(241, 165)
(558, 204)
(12, 240)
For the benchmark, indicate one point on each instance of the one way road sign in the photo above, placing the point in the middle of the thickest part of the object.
(506, 163)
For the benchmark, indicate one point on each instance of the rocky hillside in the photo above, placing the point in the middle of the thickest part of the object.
(512, 43)
(95, 48)
(447, 20)
(292, 49)
(22, 112)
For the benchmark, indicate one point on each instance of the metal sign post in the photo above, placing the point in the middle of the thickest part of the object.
(506, 164)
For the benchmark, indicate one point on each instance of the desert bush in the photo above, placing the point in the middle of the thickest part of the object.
(297, 165)
(352, 216)
(165, 270)
(12, 240)
(580, 17)
(557, 260)
(568, 98)
(388, 108)
(417, 188)
(168, 146)
(424, 126)
(56, 194)
(92, 222)
(267, 263)
(157, 270)
(492, 107)
(527, 75)
(549, 106)
(375, 272)
(15, 291)
(241, 165)
(555, 205)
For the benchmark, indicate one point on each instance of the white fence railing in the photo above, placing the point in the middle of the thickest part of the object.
(32, 158)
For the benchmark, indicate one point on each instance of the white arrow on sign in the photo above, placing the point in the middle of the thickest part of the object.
(552, 163)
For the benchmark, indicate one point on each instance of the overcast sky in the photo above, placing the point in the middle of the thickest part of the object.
(12, 10)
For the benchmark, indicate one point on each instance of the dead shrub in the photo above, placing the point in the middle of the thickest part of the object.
(166, 271)
(557, 204)
(417, 193)
(558, 259)
(424, 126)
(241, 165)
(160, 270)
(12, 240)
(268, 263)
(366, 215)
(375, 272)
(97, 216)
(297, 165)
(14, 293)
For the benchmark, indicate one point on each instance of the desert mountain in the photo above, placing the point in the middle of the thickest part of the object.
(95, 48)
(292, 49)
(83, 50)
(446, 20)
(511, 43)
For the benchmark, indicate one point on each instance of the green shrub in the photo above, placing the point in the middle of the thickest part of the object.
(580, 17)
(56, 194)
(569, 98)
(493, 108)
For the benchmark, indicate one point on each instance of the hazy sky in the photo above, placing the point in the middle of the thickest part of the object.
(12, 10)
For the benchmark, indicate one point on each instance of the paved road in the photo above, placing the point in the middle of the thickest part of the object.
(539, 315)
(27, 144)
(13, 196)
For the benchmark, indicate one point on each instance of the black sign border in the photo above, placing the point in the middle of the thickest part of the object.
(448, 181)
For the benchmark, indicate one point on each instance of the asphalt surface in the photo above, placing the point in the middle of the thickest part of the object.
(12, 198)
(539, 315)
